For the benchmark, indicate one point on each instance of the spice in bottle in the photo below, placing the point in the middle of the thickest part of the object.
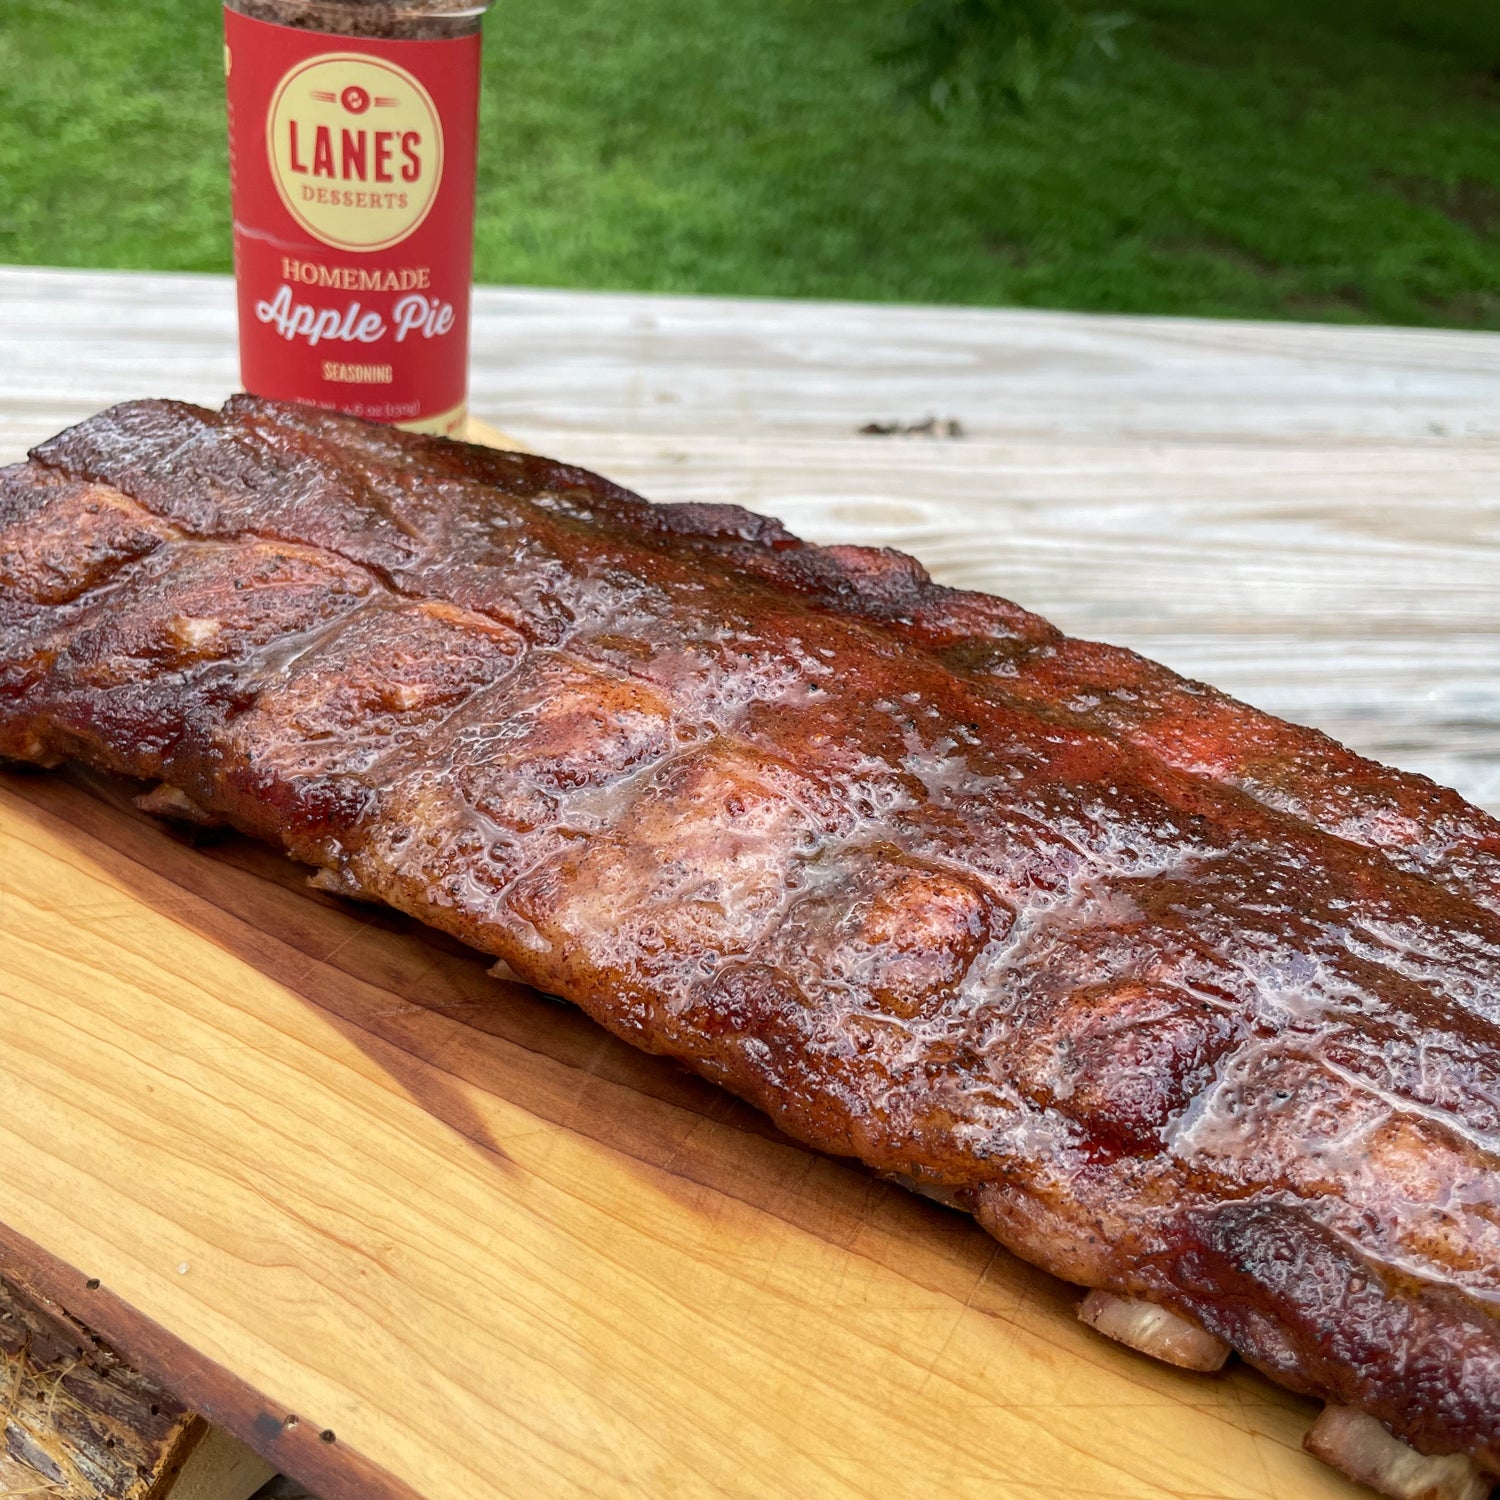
(352, 133)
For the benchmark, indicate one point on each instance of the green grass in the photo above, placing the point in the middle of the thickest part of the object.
(1330, 159)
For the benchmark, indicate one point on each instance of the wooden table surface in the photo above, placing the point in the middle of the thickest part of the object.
(411, 1231)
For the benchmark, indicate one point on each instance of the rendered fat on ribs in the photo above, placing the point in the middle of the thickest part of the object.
(1182, 1002)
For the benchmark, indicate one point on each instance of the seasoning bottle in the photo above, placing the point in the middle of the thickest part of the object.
(352, 133)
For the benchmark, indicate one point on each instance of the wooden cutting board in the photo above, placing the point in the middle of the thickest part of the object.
(478, 1247)
(489, 1250)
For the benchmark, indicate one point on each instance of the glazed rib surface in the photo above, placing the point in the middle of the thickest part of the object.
(1179, 1000)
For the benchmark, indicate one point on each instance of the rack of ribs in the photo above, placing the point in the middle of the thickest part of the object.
(1188, 1005)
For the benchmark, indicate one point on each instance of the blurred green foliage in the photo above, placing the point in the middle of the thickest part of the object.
(1333, 159)
(993, 53)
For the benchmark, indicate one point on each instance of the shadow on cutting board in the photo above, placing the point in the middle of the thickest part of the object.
(471, 1050)
(423, 1008)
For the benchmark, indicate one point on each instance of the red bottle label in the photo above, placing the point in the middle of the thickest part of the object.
(352, 171)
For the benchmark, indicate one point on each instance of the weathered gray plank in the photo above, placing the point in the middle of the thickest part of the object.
(592, 361)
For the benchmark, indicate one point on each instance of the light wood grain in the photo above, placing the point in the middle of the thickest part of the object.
(493, 1251)
(221, 1467)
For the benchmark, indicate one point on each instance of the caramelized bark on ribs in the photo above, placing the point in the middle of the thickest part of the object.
(1181, 1001)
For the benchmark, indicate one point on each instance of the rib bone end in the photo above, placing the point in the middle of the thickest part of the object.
(1154, 1330)
(336, 882)
(174, 803)
(1357, 1444)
